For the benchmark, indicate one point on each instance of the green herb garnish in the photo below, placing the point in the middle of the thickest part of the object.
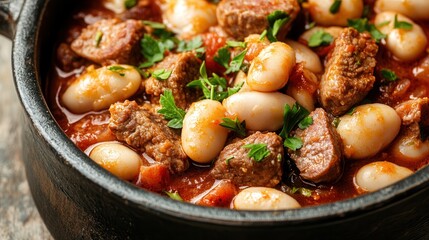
(234, 125)
(335, 7)
(336, 122)
(152, 50)
(223, 57)
(161, 74)
(292, 117)
(276, 20)
(170, 111)
(303, 191)
(319, 38)
(194, 44)
(236, 63)
(174, 195)
(228, 159)
(305, 123)
(130, 3)
(154, 25)
(362, 25)
(117, 69)
(98, 37)
(402, 24)
(388, 74)
(230, 43)
(258, 151)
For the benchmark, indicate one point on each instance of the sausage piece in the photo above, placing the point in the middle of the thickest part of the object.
(320, 158)
(349, 72)
(240, 18)
(143, 129)
(109, 41)
(184, 68)
(234, 163)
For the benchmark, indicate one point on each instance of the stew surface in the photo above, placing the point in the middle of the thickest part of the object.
(222, 103)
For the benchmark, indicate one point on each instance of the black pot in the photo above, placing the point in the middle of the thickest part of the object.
(77, 199)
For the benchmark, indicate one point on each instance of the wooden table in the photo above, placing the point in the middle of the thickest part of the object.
(19, 218)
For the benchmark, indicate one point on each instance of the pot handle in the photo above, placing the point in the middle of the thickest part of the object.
(9, 14)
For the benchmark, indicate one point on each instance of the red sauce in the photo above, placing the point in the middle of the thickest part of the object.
(87, 129)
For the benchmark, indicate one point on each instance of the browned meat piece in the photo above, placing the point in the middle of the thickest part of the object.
(144, 10)
(414, 111)
(143, 129)
(118, 41)
(349, 72)
(67, 59)
(185, 68)
(234, 163)
(240, 18)
(320, 158)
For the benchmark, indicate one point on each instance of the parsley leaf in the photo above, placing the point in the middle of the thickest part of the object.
(234, 125)
(191, 45)
(336, 122)
(223, 57)
(230, 43)
(170, 110)
(276, 20)
(130, 3)
(305, 123)
(154, 25)
(291, 117)
(402, 24)
(152, 50)
(236, 63)
(303, 191)
(161, 74)
(319, 38)
(293, 143)
(228, 159)
(98, 37)
(258, 151)
(117, 69)
(174, 195)
(335, 7)
(388, 74)
(362, 25)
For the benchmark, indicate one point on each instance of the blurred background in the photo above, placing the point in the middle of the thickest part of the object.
(19, 218)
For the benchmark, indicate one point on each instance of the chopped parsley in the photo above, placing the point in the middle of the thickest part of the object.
(305, 123)
(228, 159)
(161, 74)
(117, 69)
(234, 125)
(402, 24)
(98, 37)
(335, 7)
(154, 25)
(258, 151)
(230, 43)
(276, 20)
(215, 87)
(236, 63)
(194, 44)
(303, 191)
(351, 111)
(362, 25)
(152, 50)
(174, 195)
(130, 3)
(336, 122)
(223, 57)
(388, 74)
(170, 111)
(291, 118)
(319, 38)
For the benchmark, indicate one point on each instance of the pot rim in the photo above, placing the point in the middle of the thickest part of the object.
(27, 79)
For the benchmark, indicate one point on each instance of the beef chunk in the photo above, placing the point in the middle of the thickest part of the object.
(143, 129)
(185, 68)
(349, 72)
(234, 163)
(117, 45)
(144, 10)
(320, 158)
(67, 59)
(240, 18)
(414, 111)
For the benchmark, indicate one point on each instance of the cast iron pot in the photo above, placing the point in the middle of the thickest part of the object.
(79, 200)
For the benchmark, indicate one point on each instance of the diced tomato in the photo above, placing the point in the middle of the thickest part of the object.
(220, 196)
(155, 177)
(213, 42)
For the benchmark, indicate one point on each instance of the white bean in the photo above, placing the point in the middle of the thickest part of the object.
(261, 111)
(303, 92)
(368, 130)
(414, 9)
(319, 11)
(410, 148)
(405, 45)
(306, 56)
(263, 198)
(239, 79)
(118, 159)
(116, 6)
(202, 136)
(377, 175)
(333, 31)
(189, 17)
(98, 88)
(270, 70)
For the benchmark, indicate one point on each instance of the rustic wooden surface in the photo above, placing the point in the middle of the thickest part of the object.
(19, 218)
